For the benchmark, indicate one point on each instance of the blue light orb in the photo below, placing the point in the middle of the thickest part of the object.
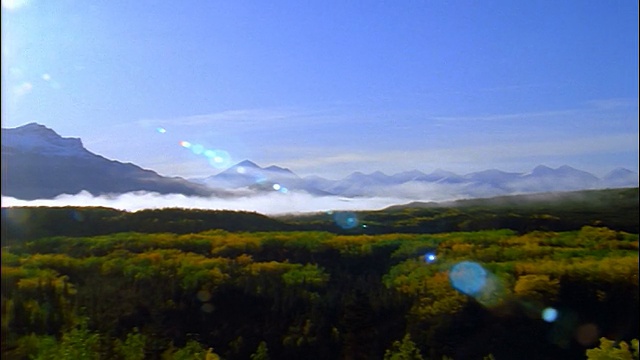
(197, 149)
(430, 257)
(549, 314)
(161, 130)
(77, 216)
(346, 220)
(468, 277)
(219, 159)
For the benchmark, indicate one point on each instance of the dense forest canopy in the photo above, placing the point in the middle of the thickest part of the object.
(615, 209)
(81, 283)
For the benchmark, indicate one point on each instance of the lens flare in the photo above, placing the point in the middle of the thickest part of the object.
(161, 130)
(197, 149)
(549, 314)
(204, 295)
(185, 144)
(276, 187)
(77, 216)
(468, 277)
(430, 257)
(220, 159)
(346, 220)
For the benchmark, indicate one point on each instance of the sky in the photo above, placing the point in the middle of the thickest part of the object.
(188, 88)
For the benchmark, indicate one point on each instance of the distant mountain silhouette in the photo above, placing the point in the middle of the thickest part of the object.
(620, 177)
(249, 175)
(37, 163)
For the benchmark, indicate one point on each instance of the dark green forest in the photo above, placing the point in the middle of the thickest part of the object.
(613, 208)
(616, 209)
(98, 283)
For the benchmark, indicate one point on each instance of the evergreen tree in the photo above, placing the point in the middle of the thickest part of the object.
(403, 350)
(262, 352)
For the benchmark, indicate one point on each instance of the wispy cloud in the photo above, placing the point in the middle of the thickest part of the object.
(330, 142)
(512, 116)
(472, 157)
(516, 87)
(591, 107)
(22, 89)
(614, 103)
(246, 117)
(257, 119)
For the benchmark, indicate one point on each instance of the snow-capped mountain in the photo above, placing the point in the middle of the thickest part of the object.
(37, 163)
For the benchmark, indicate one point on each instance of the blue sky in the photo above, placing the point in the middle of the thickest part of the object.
(330, 87)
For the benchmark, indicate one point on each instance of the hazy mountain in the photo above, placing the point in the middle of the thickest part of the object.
(248, 175)
(407, 176)
(442, 184)
(37, 163)
(492, 176)
(437, 185)
(620, 177)
(564, 178)
(442, 176)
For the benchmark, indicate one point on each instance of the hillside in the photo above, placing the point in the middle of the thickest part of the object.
(616, 209)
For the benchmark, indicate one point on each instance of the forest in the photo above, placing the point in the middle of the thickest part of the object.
(97, 283)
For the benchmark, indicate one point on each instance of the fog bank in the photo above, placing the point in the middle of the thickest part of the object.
(274, 203)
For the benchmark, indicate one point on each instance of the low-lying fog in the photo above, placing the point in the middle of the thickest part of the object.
(269, 204)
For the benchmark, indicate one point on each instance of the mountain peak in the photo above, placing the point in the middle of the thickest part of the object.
(247, 164)
(276, 168)
(34, 137)
(42, 164)
(34, 128)
(280, 171)
(33, 125)
(621, 177)
(566, 168)
(541, 169)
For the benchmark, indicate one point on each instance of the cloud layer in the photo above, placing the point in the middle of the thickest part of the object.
(269, 204)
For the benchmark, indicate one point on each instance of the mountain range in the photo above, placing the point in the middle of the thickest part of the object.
(37, 163)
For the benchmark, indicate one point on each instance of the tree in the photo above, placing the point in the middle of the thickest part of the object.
(403, 350)
(191, 351)
(133, 348)
(608, 350)
(262, 352)
(78, 343)
(537, 287)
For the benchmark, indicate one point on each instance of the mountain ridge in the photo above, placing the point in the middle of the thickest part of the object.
(43, 164)
(37, 163)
